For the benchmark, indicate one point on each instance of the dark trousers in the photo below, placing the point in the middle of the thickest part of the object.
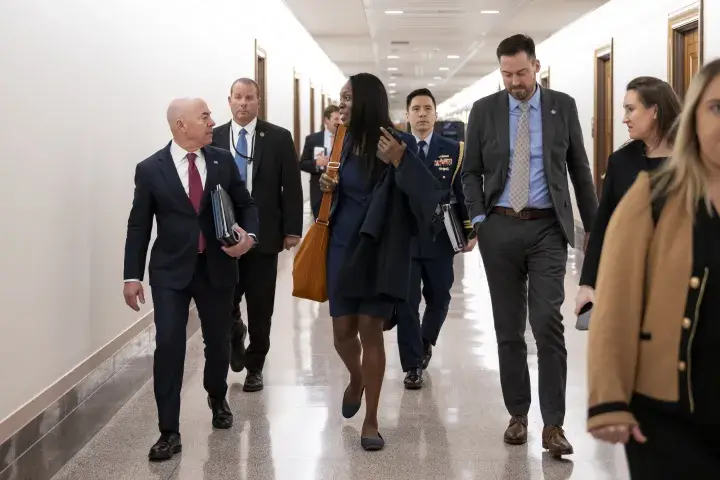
(258, 276)
(525, 262)
(677, 447)
(171, 316)
(436, 276)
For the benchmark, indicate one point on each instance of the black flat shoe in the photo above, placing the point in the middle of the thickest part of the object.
(372, 444)
(164, 449)
(222, 417)
(349, 410)
(253, 382)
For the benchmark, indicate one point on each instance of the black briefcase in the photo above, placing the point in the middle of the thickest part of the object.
(454, 226)
(224, 217)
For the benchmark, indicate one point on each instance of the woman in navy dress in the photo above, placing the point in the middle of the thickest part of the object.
(368, 151)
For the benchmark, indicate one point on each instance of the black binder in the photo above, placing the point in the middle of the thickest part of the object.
(224, 217)
(453, 225)
(583, 320)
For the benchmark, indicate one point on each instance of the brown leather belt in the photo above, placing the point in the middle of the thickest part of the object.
(525, 214)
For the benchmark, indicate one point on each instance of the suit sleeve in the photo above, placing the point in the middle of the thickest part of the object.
(579, 170)
(473, 166)
(139, 227)
(246, 213)
(458, 190)
(422, 189)
(292, 194)
(613, 341)
(605, 210)
(307, 161)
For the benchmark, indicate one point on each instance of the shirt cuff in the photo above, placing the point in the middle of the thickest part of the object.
(478, 219)
(128, 280)
(289, 235)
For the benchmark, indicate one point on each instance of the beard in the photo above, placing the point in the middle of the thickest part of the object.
(520, 92)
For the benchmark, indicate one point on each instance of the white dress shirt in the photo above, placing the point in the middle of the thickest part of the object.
(426, 148)
(250, 137)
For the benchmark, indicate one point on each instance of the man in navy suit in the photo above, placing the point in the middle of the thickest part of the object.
(432, 265)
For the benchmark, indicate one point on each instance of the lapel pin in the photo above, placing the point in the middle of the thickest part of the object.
(553, 112)
(215, 162)
(262, 134)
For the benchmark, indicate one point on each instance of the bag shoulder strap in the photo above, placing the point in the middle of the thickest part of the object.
(333, 171)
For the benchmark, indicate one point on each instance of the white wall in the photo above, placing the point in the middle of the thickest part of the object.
(85, 85)
(639, 31)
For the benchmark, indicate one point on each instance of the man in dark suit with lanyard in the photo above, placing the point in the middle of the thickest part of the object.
(433, 253)
(265, 155)
(522, 143)
(316, 154)
(187, 261)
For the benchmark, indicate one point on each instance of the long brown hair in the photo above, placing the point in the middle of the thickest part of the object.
(657, 93)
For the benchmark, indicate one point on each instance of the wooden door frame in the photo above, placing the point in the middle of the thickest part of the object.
(261, 53)
(297, 111)
(312, 108)
(606, 51)
(679, 22)
(545, 75)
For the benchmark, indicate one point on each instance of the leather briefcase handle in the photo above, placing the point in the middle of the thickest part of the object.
(333, 171)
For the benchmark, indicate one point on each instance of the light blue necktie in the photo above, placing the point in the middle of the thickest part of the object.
(241, 149)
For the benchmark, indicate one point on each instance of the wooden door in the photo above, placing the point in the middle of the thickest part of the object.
(261, 79)
(603, 120)
(691, 56)
(312, 109)
(296, 114)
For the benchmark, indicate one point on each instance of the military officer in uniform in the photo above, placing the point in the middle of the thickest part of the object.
(432, 273)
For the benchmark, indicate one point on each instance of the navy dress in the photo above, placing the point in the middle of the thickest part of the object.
(352, 198)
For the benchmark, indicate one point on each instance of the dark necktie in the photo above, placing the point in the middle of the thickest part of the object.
(195, 192)
(421, 150)
(242, 153)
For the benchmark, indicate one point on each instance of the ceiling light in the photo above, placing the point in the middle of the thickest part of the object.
(392, 69)
(392, 92)
(393, 12)
(393, 78)
(453, 56)
(392, 57)
(443, 69)
(431, 84)
(392, 84)
(489, 12)
(437, 78)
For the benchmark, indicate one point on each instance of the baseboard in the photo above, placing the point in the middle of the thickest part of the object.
(41, 436)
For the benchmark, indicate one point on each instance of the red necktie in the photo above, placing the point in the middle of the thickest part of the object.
(195, 192)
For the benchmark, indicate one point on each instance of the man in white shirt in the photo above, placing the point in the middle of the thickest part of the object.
(265, 157)
(187, 261)
(316, 154)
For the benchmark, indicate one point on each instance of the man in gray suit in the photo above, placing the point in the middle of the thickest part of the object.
(521, 144)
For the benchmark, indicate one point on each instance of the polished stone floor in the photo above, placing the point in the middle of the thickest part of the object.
(293, 430)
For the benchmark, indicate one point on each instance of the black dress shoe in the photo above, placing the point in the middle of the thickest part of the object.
(237, 346)
(414, 379)
(253, 382)
(427, 354)
(164, 449)
(222, 417)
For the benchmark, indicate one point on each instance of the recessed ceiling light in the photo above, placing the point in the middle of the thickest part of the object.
(489, 12)
(393, 12)
(431, 84)
(443, 69)
(453, 56)
(392, 57)
(392, 84)
(392, 92)
(392, 69)
(393, 78)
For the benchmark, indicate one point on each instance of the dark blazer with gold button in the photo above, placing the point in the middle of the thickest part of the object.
(644, 314)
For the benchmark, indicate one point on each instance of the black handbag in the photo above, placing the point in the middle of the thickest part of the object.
(224, 217)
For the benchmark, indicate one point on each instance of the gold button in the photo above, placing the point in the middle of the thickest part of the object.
(682, 366)
(694, 283)
(686, 323)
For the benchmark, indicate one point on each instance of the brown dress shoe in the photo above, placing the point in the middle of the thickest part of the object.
(553, 440)
(516, 433)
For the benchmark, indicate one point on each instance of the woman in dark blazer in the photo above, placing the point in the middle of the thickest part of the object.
(651, 110)
(383, 196)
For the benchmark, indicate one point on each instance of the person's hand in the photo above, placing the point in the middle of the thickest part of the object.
(133, 291)
(322, 160)
(241, 248)
(470, 245)
(289, 242)
(389, 150)
(619, 434)
(327, 184)
(584, 296)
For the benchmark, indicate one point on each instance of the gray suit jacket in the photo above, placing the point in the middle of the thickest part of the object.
(487, 157)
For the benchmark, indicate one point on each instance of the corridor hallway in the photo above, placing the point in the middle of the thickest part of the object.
(293, 430)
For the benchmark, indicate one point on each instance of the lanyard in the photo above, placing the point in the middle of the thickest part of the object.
(234, 145)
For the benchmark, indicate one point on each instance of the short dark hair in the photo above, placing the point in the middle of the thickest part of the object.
(329, 110)
(420, 92)
(655, 92)
(511, 46)
(246, 81)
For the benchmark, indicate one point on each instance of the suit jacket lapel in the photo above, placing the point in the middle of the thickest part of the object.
(211, 178)
(258, 149)
(547, 102)
(503, 127)
(170, 174)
